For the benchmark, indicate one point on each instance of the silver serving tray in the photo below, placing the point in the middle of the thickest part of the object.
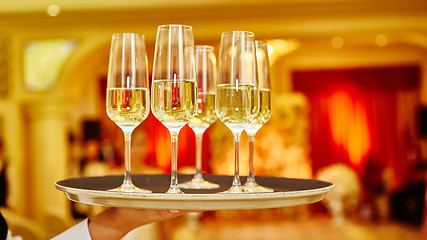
(287, 192)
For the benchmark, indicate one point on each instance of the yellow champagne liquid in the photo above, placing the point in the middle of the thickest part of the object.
(236, 105)
(174, 103)
(264, 112)
(127, 107)
(205, 114)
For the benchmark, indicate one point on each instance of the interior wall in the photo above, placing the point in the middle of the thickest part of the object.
(77, 90)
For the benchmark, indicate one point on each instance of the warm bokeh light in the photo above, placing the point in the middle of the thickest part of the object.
(277, 48)
(349, 126)
(381, 40)
(270, 50)
(337, 42)
(53, 10)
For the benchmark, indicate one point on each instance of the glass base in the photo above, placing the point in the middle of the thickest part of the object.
(234, 189)
(174, 190)
(198, 183)
(129, 187)
(253, 187)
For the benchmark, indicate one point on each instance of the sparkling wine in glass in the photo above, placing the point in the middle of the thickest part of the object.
(237, 95)
(263, 115)
(174, 85)
(205, 61)
(128, 98)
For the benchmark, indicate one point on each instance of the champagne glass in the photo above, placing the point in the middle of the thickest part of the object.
(174, 85)
(128, 101)
(263, 115)
(236, 99)
(205, 116)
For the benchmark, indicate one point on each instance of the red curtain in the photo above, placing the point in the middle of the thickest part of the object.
(361, 114)
(160, 145)
(159, 150)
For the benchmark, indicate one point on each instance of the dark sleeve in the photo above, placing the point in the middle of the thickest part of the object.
(3, 228)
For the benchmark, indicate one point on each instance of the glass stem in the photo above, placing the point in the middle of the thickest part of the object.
(251, 176)
(199, 139)
(236, 180)
(174, 172)
(127, 181)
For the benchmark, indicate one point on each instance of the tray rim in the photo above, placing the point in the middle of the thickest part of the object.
(195, 201)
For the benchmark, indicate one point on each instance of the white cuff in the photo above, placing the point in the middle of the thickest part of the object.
(9, 236)
(79, 231)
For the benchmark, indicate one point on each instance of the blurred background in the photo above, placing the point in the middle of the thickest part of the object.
(349, 91)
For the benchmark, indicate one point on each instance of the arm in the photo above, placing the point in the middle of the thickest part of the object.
(115, 223)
